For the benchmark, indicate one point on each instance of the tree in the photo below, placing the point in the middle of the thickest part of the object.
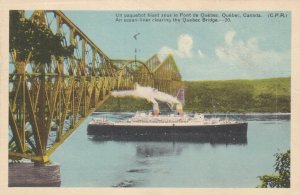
(27, 37)
(281, 178)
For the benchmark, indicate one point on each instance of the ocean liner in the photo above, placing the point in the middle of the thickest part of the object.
(178, 126)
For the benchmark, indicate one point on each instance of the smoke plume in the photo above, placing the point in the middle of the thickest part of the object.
(149, 94)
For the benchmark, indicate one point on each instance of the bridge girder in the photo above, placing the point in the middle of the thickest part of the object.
(167, 77)
(47, 102)
(131, 72)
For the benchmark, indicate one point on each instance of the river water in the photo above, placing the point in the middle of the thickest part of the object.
(88, 162)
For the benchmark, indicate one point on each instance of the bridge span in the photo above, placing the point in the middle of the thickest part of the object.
(49, 100)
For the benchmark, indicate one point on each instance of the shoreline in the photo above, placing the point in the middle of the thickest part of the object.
(209, 113)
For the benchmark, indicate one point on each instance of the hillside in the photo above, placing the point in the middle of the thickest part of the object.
(263, 95)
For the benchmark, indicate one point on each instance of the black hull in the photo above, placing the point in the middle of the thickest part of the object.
(227, 133)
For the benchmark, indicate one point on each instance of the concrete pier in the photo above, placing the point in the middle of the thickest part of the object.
(33, 175)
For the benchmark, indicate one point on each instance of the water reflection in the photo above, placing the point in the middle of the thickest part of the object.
(125, 183)
(158, 149)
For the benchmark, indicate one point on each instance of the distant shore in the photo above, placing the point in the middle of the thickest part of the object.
(218, 113)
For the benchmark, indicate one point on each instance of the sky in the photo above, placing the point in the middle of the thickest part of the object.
(245, 48)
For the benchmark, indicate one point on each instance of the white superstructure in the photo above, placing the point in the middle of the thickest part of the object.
(144, 119)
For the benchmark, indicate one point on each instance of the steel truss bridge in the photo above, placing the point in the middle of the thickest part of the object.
(47, 102)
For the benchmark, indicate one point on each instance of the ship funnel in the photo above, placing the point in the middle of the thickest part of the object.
(179, 109)
(155, 109)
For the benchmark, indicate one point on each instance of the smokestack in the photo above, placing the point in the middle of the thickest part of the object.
(179, 109)
(155, 109)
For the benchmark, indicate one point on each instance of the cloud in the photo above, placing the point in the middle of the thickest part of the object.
(184, 48)
(249, 53)
(229, 37)
(164, 52)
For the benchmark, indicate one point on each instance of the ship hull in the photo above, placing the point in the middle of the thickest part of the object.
(221, 133)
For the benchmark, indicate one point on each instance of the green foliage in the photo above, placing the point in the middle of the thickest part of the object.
(215, 96)
(125, 104)
(26, 37)
(264, 95)
(281, 178)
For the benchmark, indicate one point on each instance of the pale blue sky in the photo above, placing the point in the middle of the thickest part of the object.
(241, 49)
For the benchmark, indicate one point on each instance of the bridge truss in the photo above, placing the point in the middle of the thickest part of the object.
(47, 102)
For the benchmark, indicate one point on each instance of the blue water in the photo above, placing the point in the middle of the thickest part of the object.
(88, 163)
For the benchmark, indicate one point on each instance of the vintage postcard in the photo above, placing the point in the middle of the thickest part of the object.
(139, 97)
